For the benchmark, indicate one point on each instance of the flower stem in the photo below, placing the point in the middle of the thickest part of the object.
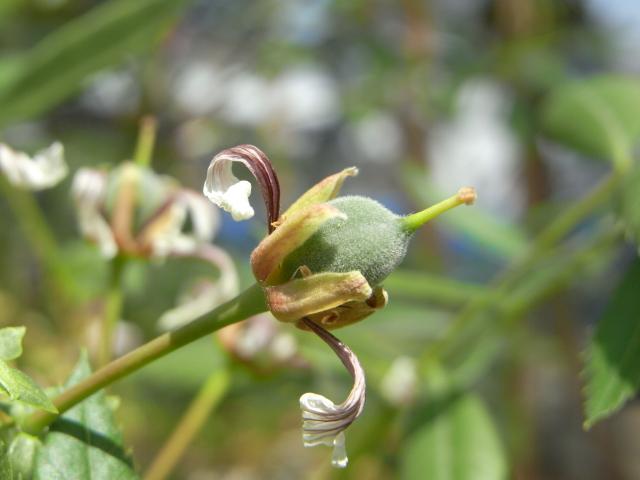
(146, 140)
(113, 309)
(466, 195)
(190, 424)
(246, 304)
(38, 233)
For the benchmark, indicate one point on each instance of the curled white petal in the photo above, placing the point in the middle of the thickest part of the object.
(205, 219)
(324, 422)
(89, 186)
(206, 295)
(88, 190)
(167, 235)
(225, 190)
(198, 300)
(46, 169)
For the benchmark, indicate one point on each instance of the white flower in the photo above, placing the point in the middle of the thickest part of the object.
(88, 190)
(46, 169)
(324, 422)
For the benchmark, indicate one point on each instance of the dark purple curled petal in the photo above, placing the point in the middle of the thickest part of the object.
(220, 178)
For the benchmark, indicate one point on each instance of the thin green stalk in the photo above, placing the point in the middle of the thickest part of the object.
(553, 233)
(248, 303)
(189, 425)
(113, 309)
(31, 220)
(146, 140)
(36, 230)
(414, 221)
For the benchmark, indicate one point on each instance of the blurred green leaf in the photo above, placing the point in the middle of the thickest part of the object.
(84, 443)
(499, 237)
(628, 204)
(599, 116)
(6, 6)
(457, 442)
(432, 288)
(17, 459)
(613, 355)
(9, 69)
(57, 67)
(11, 342)
(185, 369)
(475, 350)
(21, 388)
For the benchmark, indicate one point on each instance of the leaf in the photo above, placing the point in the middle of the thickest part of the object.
(432, 288)
(84, 443)
(57, 66)
(21, 388)
(11, 342)
(628, 204)
(599, 116)
(613, 355)
(457, 442)
(17, 460)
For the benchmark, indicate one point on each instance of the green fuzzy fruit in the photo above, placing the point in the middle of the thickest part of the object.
(371, 239)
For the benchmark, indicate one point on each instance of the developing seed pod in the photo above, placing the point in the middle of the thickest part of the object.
(370, 239)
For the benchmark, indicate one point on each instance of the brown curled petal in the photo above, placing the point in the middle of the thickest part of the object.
(350, 312)
(270, 253)
(323, 191)
(220, 183)
(324, 421)
(320, 292)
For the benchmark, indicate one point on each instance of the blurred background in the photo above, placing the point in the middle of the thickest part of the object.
(466, 373)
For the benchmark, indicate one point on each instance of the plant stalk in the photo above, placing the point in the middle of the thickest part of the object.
(414, 221)
(189, 425)
(146, 141)
(246, 304)
(113, 310)
(37, 232)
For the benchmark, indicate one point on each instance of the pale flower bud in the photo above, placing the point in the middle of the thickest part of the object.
(45, 170)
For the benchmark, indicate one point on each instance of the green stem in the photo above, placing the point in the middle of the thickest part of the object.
(413, 222)
(189, 425)
(248, 303)
(38, 234)
(146, 140)
(554, 232)
(113, 309)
